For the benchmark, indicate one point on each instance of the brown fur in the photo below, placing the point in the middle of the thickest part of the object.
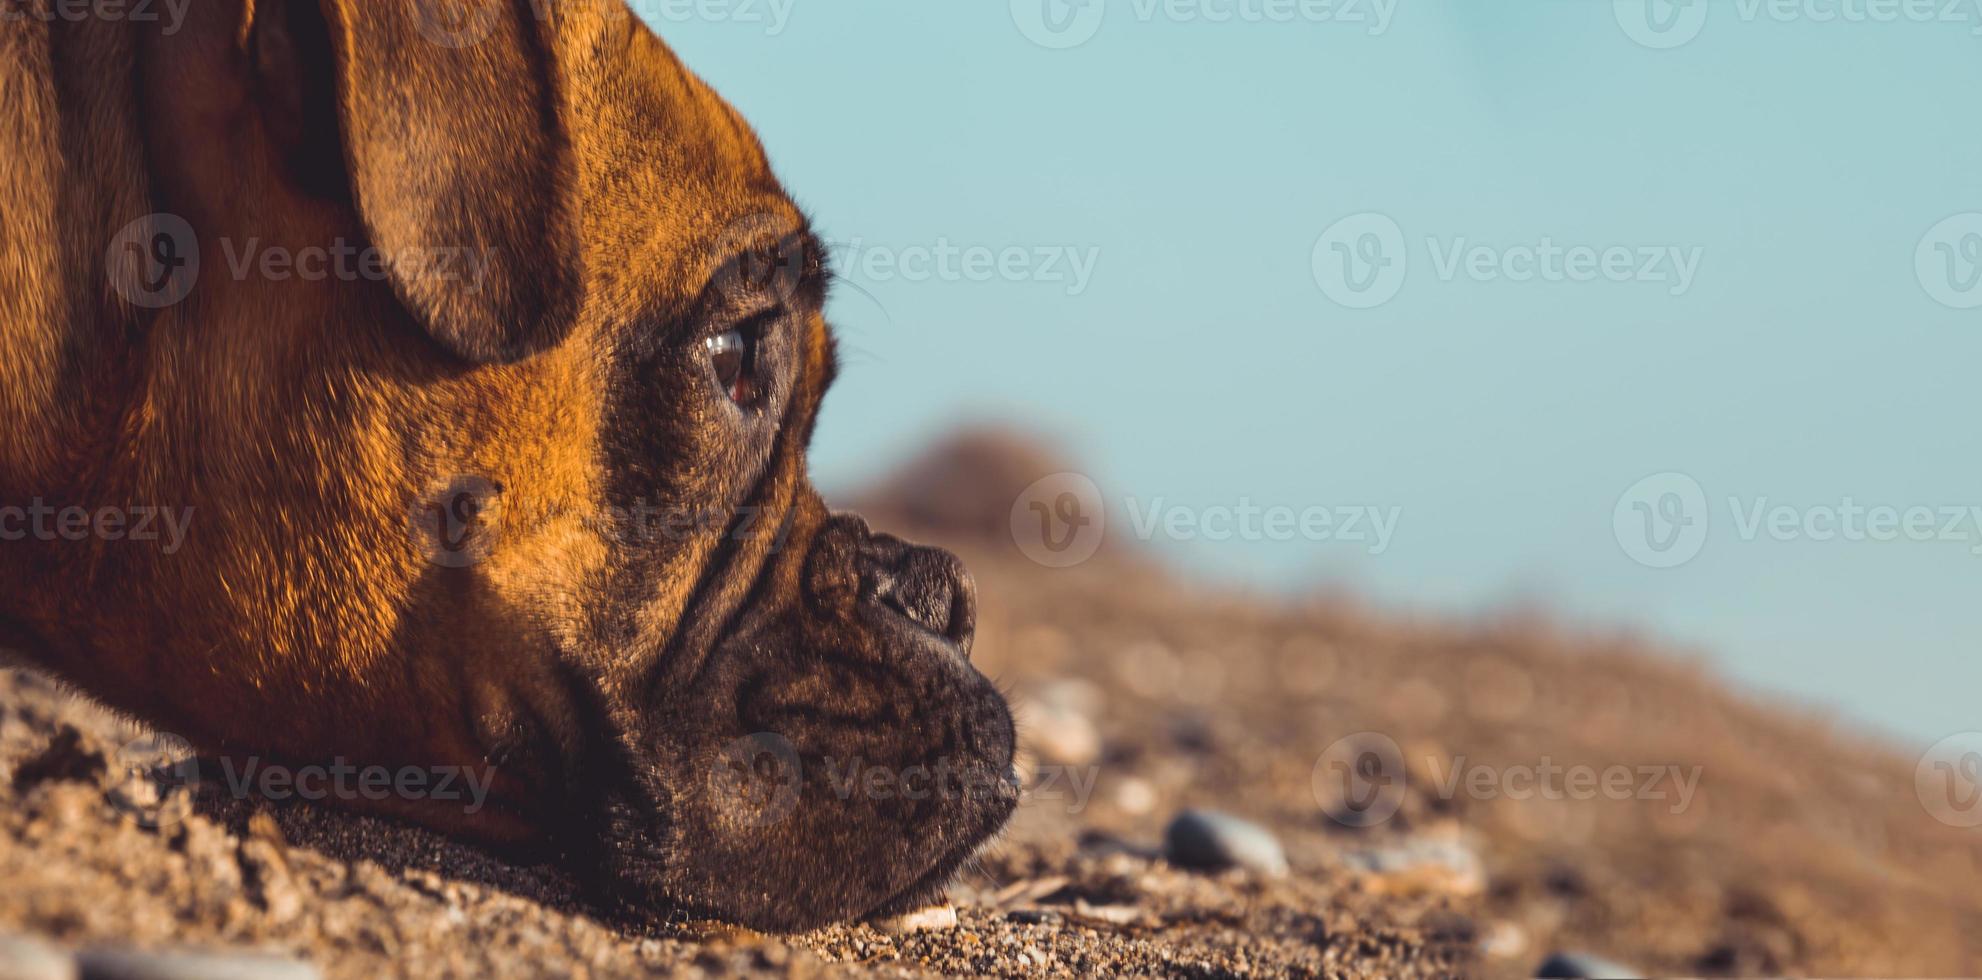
(306, 424)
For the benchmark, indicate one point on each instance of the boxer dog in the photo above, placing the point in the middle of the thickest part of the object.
(474, 349)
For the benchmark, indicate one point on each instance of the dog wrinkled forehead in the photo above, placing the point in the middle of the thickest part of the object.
(672, 181)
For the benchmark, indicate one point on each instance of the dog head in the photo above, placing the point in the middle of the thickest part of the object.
(491, 406)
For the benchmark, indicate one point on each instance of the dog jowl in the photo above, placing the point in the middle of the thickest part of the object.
(624, 599)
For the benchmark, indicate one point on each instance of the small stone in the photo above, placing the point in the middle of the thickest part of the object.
(1112, 915)
(1584, 966)
(124, 964)
(1028, 891)
(1135, 797)
(1206, 840)
(935, 918)
(1504, 940)
(22, 958)
(1422, 866)
(1056, 725)
(1033, 917)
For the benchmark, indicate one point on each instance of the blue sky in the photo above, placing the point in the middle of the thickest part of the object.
(1775, 324)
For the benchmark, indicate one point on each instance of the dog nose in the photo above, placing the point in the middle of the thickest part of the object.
(929, 586)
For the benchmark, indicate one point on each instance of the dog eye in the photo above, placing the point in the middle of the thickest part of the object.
(734, 356)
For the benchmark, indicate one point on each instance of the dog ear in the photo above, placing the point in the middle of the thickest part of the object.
(446, 133)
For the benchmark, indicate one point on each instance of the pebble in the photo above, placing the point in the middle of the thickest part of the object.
(124, 964)
(1057, 724)
(1503, 940)
(1028, 891)
(1585, 967)
(1421, 866)
(1135, 797)
(1113, 915)
(1207, 840)
(935, 918)
(22, 958)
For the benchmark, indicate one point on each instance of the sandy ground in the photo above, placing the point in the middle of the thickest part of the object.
(1752, 839)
